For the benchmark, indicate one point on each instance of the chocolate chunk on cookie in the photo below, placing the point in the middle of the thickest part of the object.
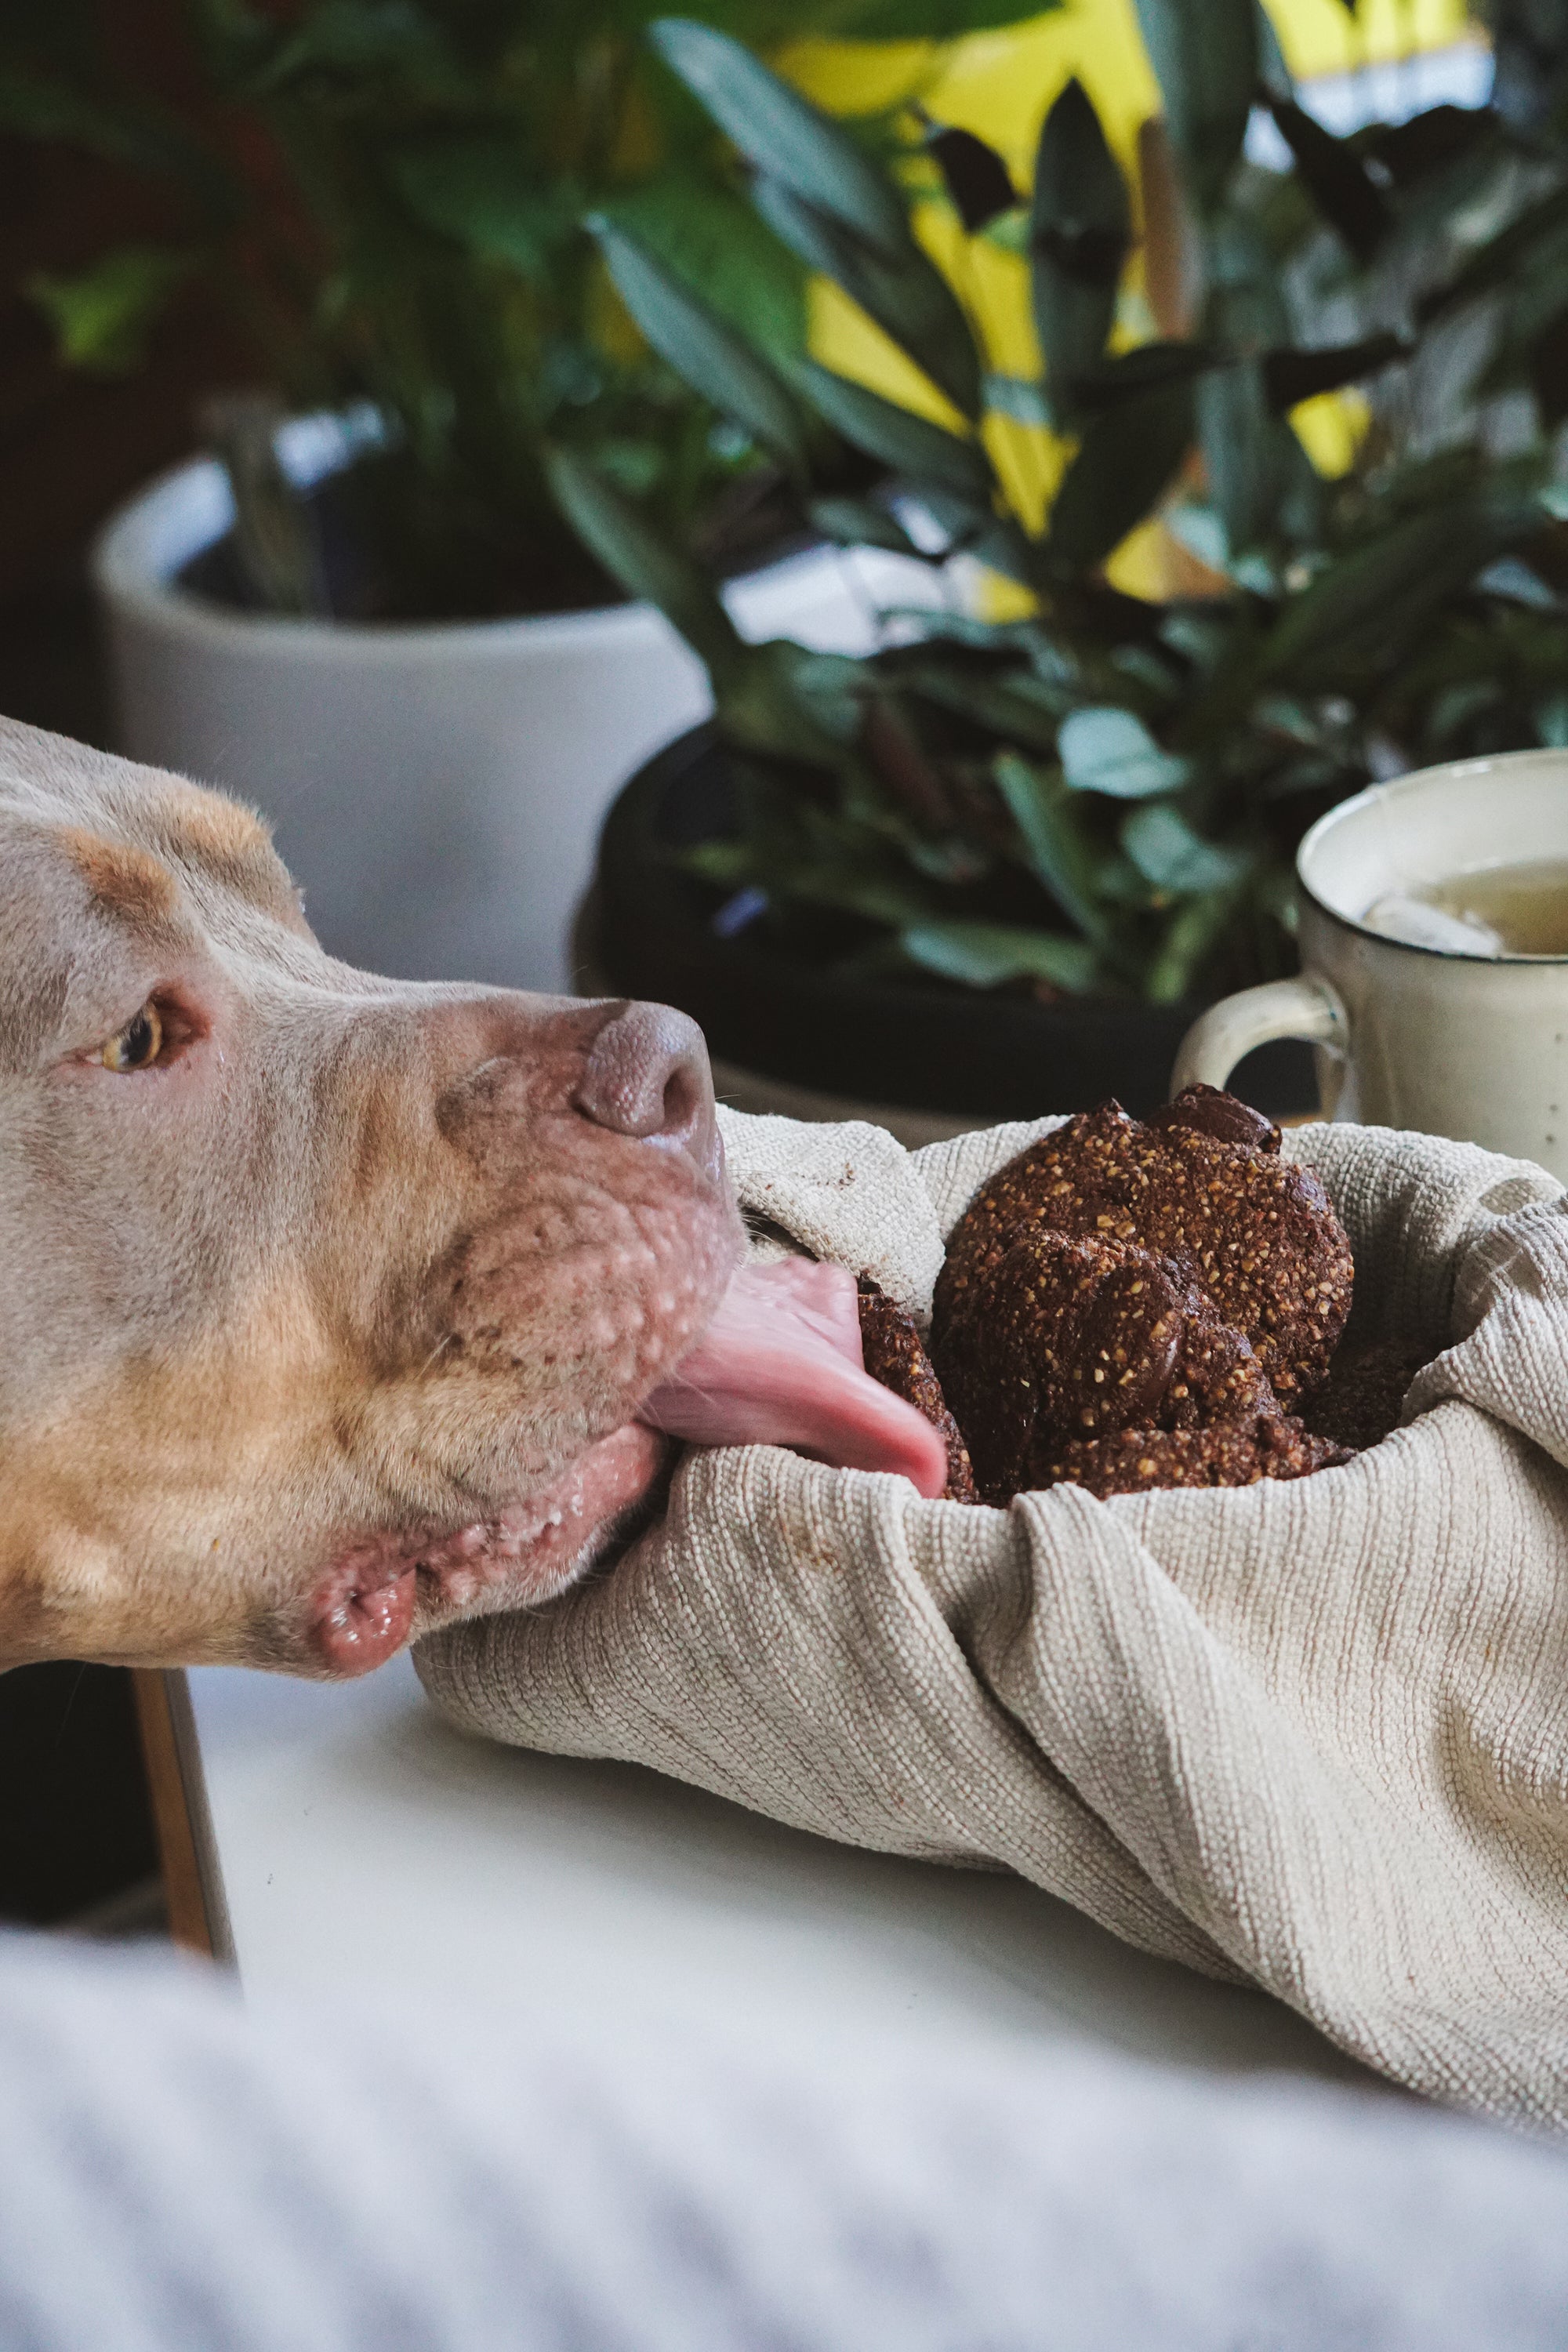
(1224, 1118)
(895, 1355)
(1059, 1339)
(1227, 1454)
(1361, 1401)
(1255, 1232)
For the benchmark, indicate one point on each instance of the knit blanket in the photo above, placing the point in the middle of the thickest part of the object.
(1310, 1735)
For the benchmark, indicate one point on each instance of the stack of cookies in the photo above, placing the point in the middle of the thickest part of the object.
(1134, 1303)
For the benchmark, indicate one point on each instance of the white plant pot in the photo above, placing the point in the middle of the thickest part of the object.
(436, 790)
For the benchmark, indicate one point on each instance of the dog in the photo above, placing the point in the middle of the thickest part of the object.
(335, 1307)
(328, 1299)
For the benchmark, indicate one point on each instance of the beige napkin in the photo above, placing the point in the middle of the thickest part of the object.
(1313, 1734)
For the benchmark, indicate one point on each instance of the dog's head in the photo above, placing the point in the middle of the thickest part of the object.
(328, 1299)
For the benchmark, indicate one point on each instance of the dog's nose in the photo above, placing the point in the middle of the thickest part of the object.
(647, 1075)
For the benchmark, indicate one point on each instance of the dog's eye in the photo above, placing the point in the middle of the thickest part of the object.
(138, 1045)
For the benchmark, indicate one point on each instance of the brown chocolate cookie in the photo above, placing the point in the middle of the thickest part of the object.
(1060, 1340)
(1227, 1454)
(1360, 1402)
(895, 1355)
(1255, 1232)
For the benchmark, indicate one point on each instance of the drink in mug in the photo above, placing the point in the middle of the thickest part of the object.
(1495, 910)
(1434, 935)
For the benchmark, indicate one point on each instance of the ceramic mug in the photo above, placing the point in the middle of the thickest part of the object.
(1451, 1044)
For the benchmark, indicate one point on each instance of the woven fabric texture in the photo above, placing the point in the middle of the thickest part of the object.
(1312, 1734)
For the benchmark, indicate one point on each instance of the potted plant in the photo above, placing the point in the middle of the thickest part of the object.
(1002, 864)
(372, 619)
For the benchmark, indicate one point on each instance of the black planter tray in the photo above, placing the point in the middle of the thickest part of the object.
(928, 1047)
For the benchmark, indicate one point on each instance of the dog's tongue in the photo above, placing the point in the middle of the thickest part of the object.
(781, 1364)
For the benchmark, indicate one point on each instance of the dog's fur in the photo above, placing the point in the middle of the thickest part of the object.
(348, 1277)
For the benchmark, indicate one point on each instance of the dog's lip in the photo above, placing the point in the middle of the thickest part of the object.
(363, 1609)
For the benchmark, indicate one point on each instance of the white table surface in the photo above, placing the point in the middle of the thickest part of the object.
(365, 1843)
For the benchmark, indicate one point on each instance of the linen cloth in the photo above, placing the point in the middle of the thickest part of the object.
(1311, 1734)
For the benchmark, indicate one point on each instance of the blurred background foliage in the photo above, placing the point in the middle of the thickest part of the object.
(387, 197)
(999, 87)
(1222, 605)
(1194, 370)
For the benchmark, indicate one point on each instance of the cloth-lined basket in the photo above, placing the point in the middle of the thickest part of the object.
(1310, 1734)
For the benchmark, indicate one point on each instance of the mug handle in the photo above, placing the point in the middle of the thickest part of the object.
(1306, 1007)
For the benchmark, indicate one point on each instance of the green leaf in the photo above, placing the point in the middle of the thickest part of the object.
(1081, 226)
(1127, 461)
(1009, 232)
(1112, 752)
(1361, 611)
(1548, 370)
(782, 699)
(127, 129)
(1289, 375)
(1517, 583)
(923, 20)
(1342, 187)
(1252, 460)
(1273, 73)
(1427, 142)
(1492, 266)
(1246, 310)
(781, 134)
(830, 203)
(633, 553)
(700, 346)
(102, 318)
(1457, 705)
(942, 626)
(1050, 823)
(831, 686)
(354, 39)
(37, 108)
(1194, 933)
(765, 24)
(905, 293)
(994, 540)
(1247, 454)
(977, 181)
(1551, 716)
(481, 193)
(1009, 708)
(910, 444)
(1151, 367)
(1308, 775)
(1169, 854)
(1019, 397)
(984, 955)
(1200, 530)
(714, 243)
(1205, 58)
(860, 523)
